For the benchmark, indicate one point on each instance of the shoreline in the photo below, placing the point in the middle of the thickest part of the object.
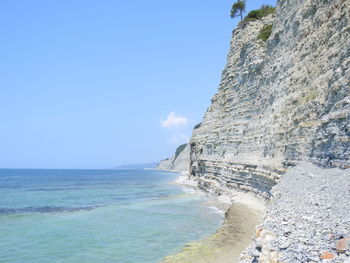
(243, 213)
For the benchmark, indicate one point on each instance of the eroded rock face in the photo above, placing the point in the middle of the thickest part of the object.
(280, 101)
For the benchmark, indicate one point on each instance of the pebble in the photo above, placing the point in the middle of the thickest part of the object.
(317, 229)
(285, 245)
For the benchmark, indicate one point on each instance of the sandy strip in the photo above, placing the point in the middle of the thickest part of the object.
(232, 238)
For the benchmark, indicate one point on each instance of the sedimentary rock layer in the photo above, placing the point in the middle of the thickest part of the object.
(279, 101)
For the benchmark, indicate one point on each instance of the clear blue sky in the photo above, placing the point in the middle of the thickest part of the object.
(87, 84)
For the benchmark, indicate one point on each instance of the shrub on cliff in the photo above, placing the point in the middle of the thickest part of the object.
(265, 32)
(259, 13)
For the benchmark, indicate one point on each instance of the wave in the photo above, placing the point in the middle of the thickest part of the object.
(216, 210)
(65, 189)
(43, 209)
(54, 189)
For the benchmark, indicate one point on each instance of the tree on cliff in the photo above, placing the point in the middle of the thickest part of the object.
(238, 9)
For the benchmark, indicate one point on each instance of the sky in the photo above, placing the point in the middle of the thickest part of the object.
(97, 84)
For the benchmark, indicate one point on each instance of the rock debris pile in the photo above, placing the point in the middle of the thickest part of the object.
(308, 219)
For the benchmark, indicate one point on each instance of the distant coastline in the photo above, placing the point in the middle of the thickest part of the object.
(142, 166)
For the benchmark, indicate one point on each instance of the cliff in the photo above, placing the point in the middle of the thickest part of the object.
(279, 101)
(179, 162)
(279, 127)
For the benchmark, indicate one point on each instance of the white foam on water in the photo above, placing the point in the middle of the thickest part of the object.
(216, 210)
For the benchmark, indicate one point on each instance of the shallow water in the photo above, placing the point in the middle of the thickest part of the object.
(97, 216)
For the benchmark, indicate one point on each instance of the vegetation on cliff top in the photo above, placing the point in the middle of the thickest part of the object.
(238, 9)
(259, 13)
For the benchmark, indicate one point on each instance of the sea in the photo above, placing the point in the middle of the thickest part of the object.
(98, 216)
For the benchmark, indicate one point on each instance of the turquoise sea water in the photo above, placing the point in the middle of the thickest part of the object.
(97, 216)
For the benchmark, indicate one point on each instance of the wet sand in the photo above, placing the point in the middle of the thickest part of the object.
(228, 242)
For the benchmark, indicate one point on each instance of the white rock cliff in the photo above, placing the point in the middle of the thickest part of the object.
(282, 105)
(279, 101)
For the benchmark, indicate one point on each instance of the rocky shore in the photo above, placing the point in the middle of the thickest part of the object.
(307, 220)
